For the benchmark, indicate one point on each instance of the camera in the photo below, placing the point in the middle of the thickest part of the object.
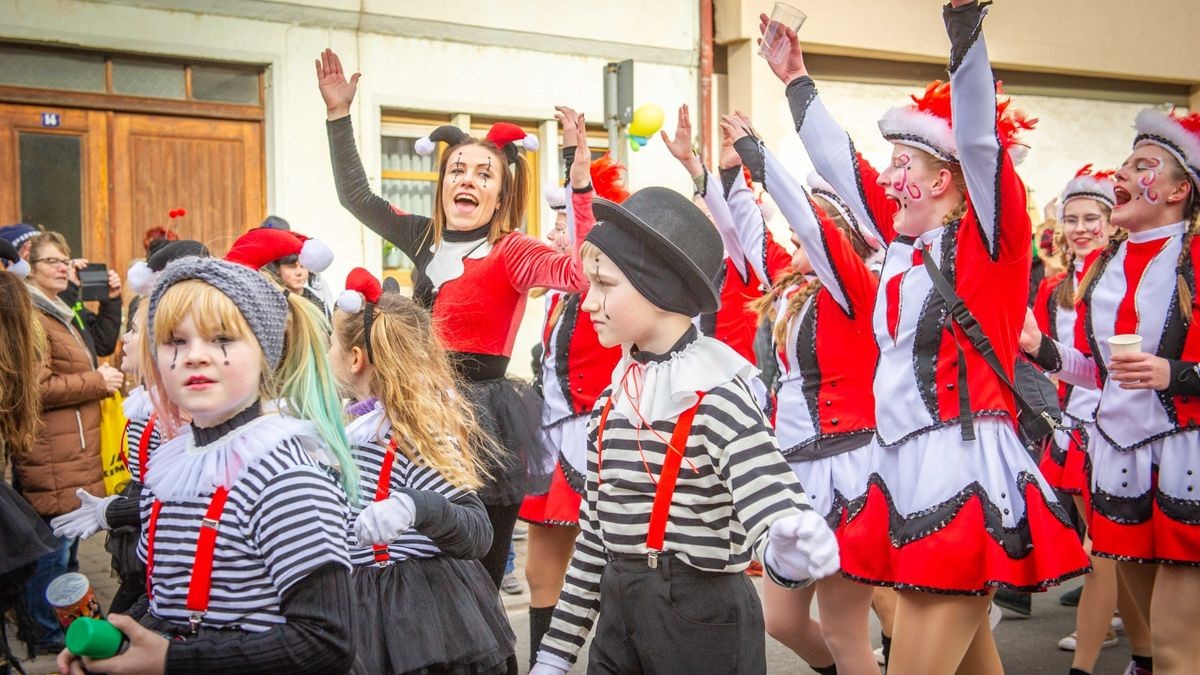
(93, 282)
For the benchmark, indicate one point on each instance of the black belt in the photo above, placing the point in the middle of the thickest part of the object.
(479, 367)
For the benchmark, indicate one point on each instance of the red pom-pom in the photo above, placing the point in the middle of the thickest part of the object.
(608, 179)
(364, 282)
(182, 212)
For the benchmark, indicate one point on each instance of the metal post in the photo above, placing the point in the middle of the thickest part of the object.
(612, 120)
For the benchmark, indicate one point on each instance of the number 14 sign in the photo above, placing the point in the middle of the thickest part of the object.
(50, 119)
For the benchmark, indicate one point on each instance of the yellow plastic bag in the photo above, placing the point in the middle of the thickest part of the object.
(112, 444)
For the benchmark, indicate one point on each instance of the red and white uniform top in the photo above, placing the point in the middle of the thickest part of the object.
(825, 405)
(985, 255)
(1135, 293)
(751, 263)
(1060, 324)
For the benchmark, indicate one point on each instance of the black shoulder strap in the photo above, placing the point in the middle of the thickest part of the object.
(974, 332)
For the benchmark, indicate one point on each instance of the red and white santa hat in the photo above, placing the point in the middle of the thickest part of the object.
(926, 124)
(262, 246)
(505, 135)
(1088, 184)
(361, 287)
(1178, 135)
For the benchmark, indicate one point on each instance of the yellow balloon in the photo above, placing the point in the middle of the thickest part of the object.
(647, 120)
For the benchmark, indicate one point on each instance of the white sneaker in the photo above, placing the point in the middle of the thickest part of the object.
(1067, 644)
(995, 614)
(879, 656)
(1118, 626)
(511, 585)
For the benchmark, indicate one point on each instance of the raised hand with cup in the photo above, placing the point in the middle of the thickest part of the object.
(779, 44)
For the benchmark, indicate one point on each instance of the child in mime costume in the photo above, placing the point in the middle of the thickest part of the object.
(685, 481)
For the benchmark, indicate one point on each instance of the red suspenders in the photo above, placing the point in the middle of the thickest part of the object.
(665, 488)
(143, 447)
(382, 489)
(200, 587)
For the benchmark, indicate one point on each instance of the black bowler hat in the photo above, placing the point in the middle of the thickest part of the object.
(667, 247)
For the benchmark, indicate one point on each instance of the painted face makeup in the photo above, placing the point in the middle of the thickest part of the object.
(900, 183)
(1148, 178)
(471, 187)
(210, 377)
(620, 314)
(131, 352)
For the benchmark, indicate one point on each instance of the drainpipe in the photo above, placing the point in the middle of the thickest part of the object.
(706, 75)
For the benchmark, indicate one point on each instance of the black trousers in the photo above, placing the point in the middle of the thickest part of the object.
(676, 619)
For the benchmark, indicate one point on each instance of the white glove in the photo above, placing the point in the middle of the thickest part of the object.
(382, 522)
(549, 664)
(86, 520)
(802, 547)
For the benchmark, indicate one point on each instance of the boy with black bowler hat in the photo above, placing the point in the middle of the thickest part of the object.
(685, 481)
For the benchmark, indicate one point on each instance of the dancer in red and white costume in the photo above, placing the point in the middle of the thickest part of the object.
(574, 369)
(1146, 452)
(1084, 211)
(955, 506)
(825, 419)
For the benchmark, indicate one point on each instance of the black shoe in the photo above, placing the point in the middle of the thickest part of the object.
(1071, 597)
(1018, 603)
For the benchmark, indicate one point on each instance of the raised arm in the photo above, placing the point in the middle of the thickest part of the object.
(407, 232)
(831, 253)
(996, 193)
(830, 147)
(707, 187)
(532, 263)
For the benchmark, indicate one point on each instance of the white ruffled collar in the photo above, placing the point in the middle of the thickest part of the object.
(180, 469)
(447, 263)
(667, 387)
(1161, 232)
(137, 406)
(370, 427)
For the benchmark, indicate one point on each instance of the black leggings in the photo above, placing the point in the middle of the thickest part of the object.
(503, 518)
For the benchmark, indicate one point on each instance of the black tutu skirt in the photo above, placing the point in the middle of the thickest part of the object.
(430, 615)
(510, 411)
(24, 536)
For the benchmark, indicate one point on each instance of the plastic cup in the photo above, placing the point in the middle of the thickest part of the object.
(94, 638)
(774, 45)
(1126, 343)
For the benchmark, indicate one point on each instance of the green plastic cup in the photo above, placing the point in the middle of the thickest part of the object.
(94, 638)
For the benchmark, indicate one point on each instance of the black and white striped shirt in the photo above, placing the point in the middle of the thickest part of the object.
(368, 455)
(284, 518)
(137, 409)
(719, 515)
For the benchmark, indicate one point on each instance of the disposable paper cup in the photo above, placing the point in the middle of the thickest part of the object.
(1125, 344)
(774, 45)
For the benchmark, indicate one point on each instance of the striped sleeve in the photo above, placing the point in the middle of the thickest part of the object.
(297, 523)
(579, 602)
(762, 485)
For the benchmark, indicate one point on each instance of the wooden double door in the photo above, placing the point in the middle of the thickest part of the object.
(102, 178)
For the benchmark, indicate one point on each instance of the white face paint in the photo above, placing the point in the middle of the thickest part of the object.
(471, 186)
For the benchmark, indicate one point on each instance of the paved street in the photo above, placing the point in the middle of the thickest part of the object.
(1027, 646)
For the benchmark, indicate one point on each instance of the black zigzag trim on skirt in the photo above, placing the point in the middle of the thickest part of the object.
(1016, 541)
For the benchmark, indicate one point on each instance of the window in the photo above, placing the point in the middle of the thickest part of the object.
(409, 181)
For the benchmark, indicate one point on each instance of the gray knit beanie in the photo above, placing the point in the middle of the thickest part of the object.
(263, 305)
